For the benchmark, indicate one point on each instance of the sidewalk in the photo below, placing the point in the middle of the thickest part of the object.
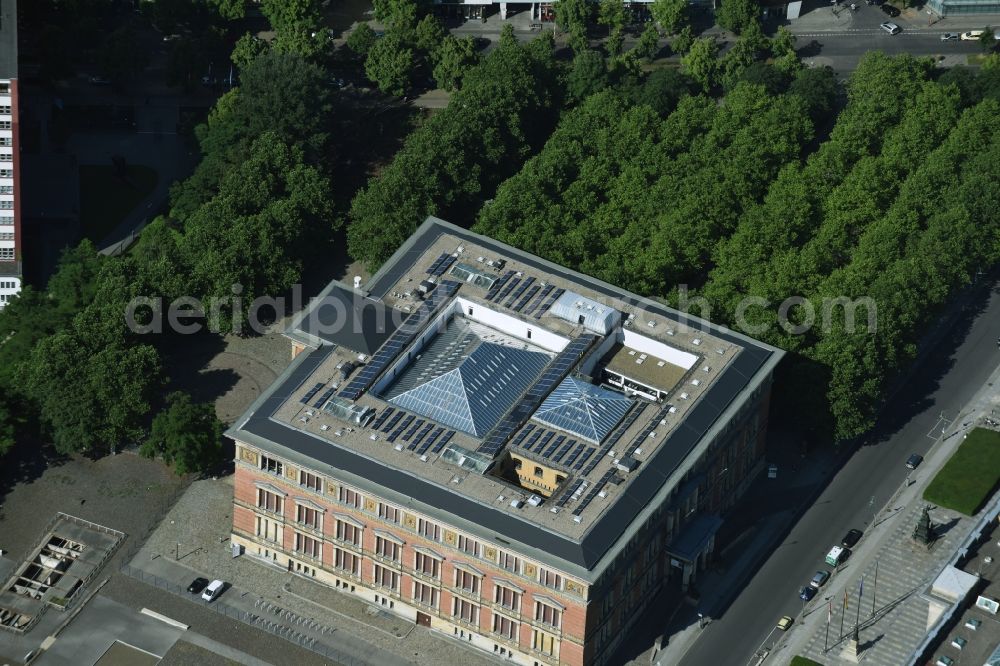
(904, 570)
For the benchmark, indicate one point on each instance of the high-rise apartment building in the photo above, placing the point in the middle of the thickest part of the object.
(500, 448)
(10, 205)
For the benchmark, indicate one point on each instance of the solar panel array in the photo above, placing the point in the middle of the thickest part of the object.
(380, 419)
(403, 335)
(441, 264)
(420, 436)
(641, 437)
(495, 288)
(576, 454)
(548, 304)
(412, 430)
(569, 492)
(400, 428)
(391, 423)
(507, 289)
(310, 393)
(430, 441)
(324, 397)
(527, 297)
(583, 459)
(593, 492)
(520, 290)
(541, 297)
(444, 440)
(558, 369)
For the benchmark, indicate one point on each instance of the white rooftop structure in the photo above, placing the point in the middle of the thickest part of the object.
(592, 315)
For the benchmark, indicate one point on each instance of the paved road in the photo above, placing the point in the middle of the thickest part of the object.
(946, 382)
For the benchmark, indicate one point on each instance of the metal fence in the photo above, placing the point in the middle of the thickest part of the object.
(266, 616)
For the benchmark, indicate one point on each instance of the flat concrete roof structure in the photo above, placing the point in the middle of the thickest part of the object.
(333, 409)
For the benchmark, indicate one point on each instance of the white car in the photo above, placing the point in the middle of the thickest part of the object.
(972, 35)
(213, 590)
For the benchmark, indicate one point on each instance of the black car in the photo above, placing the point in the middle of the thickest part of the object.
(807, 593)
(851, 538)
(890, 10)
(914, 461)
(197, 585)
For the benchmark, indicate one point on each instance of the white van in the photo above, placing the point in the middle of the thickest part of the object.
(837, 555)
(972, 35)
(213, 590)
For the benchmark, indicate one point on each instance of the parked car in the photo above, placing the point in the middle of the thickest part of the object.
(914, 461)
(820, 578)
(851, 538)
(949, 36)
(890, 10)
(785, 623)
(197, 585)
(807, 593)
(213, 590)
(972, 35)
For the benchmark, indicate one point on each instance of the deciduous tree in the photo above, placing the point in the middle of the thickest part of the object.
(186, 435)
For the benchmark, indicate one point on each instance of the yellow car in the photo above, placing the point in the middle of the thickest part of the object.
(785, 623)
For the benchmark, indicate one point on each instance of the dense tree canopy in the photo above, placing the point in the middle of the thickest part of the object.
(455, 160)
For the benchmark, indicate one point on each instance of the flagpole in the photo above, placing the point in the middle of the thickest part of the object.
(829, 616)
(843, 614)
(875, 589)
(861, 591)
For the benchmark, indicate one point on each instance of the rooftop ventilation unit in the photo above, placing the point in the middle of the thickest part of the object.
(696, 342)
(684, 396)
(534, 500)
(627, 464)
(517, 503)
(695, 382)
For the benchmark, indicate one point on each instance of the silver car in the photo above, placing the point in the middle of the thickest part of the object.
(819, 580)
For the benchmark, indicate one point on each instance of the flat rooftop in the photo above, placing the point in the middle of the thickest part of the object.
(493, 352)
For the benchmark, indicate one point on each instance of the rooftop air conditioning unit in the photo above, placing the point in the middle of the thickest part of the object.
(534, 500)
(684, 396)
(696, 342)
(695, 382)
(460, 249)
(517, 503)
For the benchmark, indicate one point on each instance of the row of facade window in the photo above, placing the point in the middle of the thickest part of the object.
(426, 528)
(6, 254)
(8, 284)
(6, 235)
(423, 562)
(6, 204)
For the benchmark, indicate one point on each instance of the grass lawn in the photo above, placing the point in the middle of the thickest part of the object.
(802, 661)
(971, 476)
(105, 200)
